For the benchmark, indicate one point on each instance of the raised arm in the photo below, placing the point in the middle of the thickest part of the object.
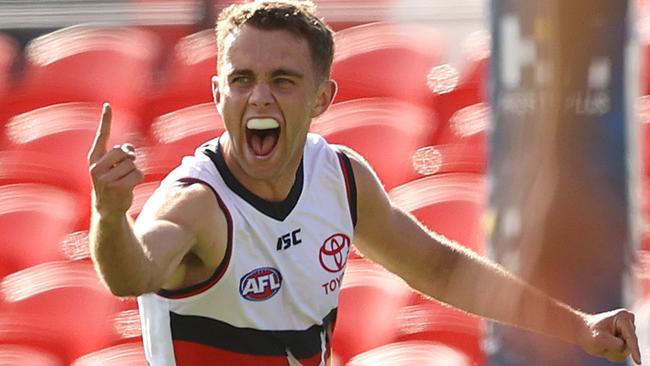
(136, 259)
(459, 277)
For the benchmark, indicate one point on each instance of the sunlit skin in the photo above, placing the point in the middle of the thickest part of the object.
(268, 74)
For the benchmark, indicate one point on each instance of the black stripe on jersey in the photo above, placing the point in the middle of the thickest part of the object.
(218, 334)
(221, 269)
(277, 210)
(350, 185)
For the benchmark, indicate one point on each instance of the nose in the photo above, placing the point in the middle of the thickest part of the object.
(261, 95)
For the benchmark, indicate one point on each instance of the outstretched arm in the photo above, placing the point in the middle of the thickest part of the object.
(133, 260)
(457, 276)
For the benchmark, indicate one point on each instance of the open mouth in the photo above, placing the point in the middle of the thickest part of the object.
(262, 135)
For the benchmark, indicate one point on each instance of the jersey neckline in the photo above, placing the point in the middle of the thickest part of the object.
(277, 210)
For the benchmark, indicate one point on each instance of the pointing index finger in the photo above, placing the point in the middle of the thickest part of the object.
(98, 148)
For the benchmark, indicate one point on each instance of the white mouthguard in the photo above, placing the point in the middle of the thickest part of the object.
(262, 124)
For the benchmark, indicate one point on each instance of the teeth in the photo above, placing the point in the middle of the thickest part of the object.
(262, 124)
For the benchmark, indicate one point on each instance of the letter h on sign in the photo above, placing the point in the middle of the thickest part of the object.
(518, 52)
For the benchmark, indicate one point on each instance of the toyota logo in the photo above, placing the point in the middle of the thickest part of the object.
(334, 252)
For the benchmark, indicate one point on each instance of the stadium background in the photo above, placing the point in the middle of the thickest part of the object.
(413, 100)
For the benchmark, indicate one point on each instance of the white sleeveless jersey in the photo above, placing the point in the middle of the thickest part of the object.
(273, 299)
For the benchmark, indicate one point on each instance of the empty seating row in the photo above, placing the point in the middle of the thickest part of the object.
(62, 309)
(129, 67)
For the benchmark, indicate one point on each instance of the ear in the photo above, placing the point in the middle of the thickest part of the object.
(215, 89)
(324, 97)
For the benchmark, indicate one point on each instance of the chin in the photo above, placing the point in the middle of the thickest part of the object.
(263, 173)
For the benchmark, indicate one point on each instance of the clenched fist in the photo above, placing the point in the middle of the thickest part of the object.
(611, 335)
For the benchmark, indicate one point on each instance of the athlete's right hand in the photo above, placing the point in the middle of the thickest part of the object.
(113, 172)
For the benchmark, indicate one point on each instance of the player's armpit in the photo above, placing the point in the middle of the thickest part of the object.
(178, 221)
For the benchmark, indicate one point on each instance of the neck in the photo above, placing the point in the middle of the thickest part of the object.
(275, 188)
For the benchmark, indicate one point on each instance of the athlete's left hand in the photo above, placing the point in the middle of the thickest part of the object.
(611, 335)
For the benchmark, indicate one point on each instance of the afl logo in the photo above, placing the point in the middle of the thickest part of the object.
(260, 284)
(334, 253)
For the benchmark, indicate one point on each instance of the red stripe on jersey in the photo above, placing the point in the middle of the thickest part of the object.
(346, 177)
(193, 354)
(350, 185)
(312, 361)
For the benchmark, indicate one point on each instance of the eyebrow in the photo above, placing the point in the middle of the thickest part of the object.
(275, 73)
(287, 72)
(240, 72)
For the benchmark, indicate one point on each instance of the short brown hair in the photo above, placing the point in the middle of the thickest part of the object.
(297, 17)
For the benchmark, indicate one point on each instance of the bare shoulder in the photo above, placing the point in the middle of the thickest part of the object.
(376, 224)
(195, 210)
(369, 187)
(186, 204)
(351, 153)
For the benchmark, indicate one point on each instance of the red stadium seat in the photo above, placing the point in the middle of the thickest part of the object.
(187, 128)
(11, 354)
(64, 132)
(387, 132)
(188, 76)
(76, 245)
(128, 354)
(369, 299)
(127, 323)
(426, 319)
(451, 104)
(386, 60)
(448, 204)
(476, 55)
(410, 353)
(34, 219)
(68, 129)
(460, 144)
(88, 63)
(38, 167)
(177, 134)
(60, 307)
(141, 194)
(473, 68)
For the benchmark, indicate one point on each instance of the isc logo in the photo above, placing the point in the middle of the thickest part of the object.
(287, 240)
(260, 284)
